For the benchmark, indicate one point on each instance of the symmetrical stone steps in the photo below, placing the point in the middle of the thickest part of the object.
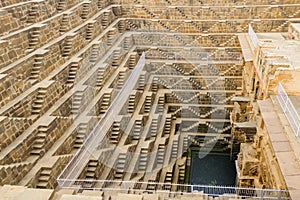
(120, 166)
(160, 154)
(91, 169)
(137, 129)
(225, 26)
(43, 180)
(115, 133)
(72, 73)
(167, 126)
(154, 128)
(40, 141)
(131, 103)
(148, 104)
(143, 159)
(13, 173)
(203, 3)
(80, 136)
(105, 102)
(39, 101)
(214, 12)
(76, 102)
(174, 150)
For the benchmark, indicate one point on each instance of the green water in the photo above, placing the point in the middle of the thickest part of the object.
(213, 169)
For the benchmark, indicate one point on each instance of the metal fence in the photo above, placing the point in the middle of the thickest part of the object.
(253, 36)
(289, 110)
(97, 136)
(154, 187)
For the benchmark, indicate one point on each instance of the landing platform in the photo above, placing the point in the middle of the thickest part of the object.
(282, 146)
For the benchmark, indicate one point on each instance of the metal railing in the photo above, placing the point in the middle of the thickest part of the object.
(289, 110)
(154, 187)
(98, 134)
(253, 36)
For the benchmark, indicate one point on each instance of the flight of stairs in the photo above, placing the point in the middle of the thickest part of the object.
(137, 130)
(143, 159)
(61, 5)
(148, 104)
(91, 169)
(131, 103)
(168, 125)
(105, 103)
(160, 156)
(37, 67)
(33, 13)
(40, 141)
(85, 11)
(168, 180)
(154, 128)
(115, 133)
(64, 24)
(121, 80)
(39, 101)
(174, 151)
(120, 166)
(72, 73)
(34, 39)
(67, 49)
(44, 177)
(76, 102)
(89, 31)
(81, 135)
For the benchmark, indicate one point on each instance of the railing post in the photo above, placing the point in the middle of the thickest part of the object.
(192, 188)
(279, 195)
(298, 129)
(124, 183)
(262, 194)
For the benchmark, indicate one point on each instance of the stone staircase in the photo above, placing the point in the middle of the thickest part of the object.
(181, 174)
(76, 102)
(168, 180)
(120, 166)
(61, 5)
(95, 52)
(80, 136)
(115, 133)
(38, 146)
(72, 73)
(143, 159)
(105, 103)
(160, 154)
(91, 169)
(68, 46)
(44, 177)
(174, 151)
(37, 67)
(189, 128)
(64, 24)
(148, 104)
(39, 101)
(33, 13)
(34, 39)
(168, 125)
(100, 76)
(137, 129)
(142, 82)
(131, 104)
(121, 80)
(154, 128)
(218, 130)
(89, 31)
(85, 10)
(154, 84)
